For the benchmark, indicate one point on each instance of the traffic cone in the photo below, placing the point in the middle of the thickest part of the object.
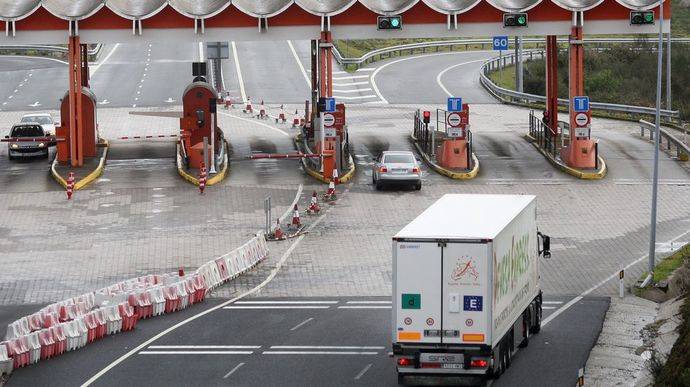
(180, 271)
(336, 178)
(314, 207)
(70, 185)
(262, 111)
(202, 178)
(330, 194)
(296, 223)
(281, 115)
(249, 109)
(278, 231)
(296, 121)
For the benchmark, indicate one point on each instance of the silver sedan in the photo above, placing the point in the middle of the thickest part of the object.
(397, 168)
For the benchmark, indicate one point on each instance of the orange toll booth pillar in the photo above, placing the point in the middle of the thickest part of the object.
(454, 152)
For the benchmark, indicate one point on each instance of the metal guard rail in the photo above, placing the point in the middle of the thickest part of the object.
(516, 96)
(459, 42)
(671, 140)
(60, 49)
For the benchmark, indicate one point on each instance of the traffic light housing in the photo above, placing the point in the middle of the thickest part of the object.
(389, 23)
(426, 117)
(514, 20)
(641, 17)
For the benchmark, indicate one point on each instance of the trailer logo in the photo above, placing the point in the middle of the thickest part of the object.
(465, 268)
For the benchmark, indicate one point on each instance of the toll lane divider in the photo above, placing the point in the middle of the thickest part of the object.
(580, 174)
(301, 146)
(74, 323)
(90, 178)
(217, 178)
(447, 172)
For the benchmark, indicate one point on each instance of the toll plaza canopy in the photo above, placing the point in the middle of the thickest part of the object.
(49, 21)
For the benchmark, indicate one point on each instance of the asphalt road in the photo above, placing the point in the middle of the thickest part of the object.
(294, 342)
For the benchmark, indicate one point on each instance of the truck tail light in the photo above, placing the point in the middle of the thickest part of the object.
(479, 363)
(383, 169)
(404, 362)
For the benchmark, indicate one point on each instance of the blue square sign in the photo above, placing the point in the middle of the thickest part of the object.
(330, 105)
(473, 303)
(581, 104)
(454, 104)
(500, 43)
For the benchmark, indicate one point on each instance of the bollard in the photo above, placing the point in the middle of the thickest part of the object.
(621, 282)
(202, 178)
(70, 185)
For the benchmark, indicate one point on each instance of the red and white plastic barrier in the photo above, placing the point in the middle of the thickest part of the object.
(149, 137)
(70, 185)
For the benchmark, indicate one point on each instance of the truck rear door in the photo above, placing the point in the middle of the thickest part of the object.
(466, 302)
(417, 297)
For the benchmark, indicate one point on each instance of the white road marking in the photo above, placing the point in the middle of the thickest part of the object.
(357, 97)
(440, 75)
(365, 307)
(278, 307)
(346, 347)
(201, 51)
(284, 133)
(351, 90)
(96, 67)
(378, 69)
(552, 302)
(350, 84)
(193, 353)
(366, 69)
(296, 327)
(204, 347)
(351, 77)
(268, 279)
(240, 80)
(548, 307)
(595, 287)
(285, 302)
(299, 63)
(232, 371)
(369, 302)
(364, 371)
(317, 353)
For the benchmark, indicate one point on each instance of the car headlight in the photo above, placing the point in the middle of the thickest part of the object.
(41, 145)
(15, 146)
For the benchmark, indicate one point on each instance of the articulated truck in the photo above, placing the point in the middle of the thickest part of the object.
(466, 289)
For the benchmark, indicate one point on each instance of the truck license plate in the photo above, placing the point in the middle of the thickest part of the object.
(452, 365)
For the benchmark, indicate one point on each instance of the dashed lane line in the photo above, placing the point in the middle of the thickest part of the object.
(232, 371)
(298, 326)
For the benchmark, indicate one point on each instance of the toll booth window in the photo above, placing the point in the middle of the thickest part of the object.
(43, 120)
(399, 159)
(27, 131)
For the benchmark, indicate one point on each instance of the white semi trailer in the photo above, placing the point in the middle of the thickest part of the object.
(466, 288)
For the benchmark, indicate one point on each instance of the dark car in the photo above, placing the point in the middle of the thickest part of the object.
(21, 149)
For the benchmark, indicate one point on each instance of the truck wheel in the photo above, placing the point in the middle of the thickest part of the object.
(499, 363)
(536, 328)
(527, 323)
(401, 379)
(379, 186)
(509, 355)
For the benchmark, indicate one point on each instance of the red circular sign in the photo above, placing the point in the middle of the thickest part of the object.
(430, 321)
(454, 120)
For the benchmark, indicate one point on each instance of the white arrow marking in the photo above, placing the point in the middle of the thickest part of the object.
(35, 104)
(169, 100)
(104, 102)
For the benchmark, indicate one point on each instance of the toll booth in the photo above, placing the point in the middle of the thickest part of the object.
(455, 150)
(89, 122)
(199, 102)
(335, 140)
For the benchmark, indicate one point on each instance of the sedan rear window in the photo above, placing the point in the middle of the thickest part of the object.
(398, 159)
(27, 131)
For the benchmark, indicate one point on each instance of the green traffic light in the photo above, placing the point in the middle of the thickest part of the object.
(649, 17)
(395, 22)
(522, 21)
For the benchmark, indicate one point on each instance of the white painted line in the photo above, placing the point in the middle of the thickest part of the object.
(98, 66)
(296, 327)
(285, 302)
(350, 84)
(271, 276)
(378, 69)
(239, 71)
(350, 77)
(194, 353)
(201, 51)
(233, 370)
(316, 353)
(552, 302)
(364, 69)
(369, 302)
(548, 307)
(351, 90)
(440, 75)
(364, 371)
(595, 287)
(345, 347)
(299, 63)
(365, 307)
(357, 97)
(284, 133)
(278, 307)
(204, 347)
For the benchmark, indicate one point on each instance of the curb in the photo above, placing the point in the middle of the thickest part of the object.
(220, 176)
(447, 172)
(86, 180)
(317, 175)
(598, 175)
